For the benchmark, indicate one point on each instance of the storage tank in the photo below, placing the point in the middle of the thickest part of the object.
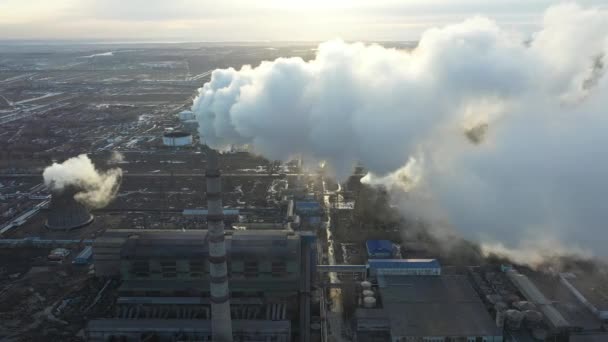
(65, 213)
(368, 293)
(513, 319)
(186, 115)
(190, 125)
(177, 138)
(366, 285)
(523, 305)
(369, 302)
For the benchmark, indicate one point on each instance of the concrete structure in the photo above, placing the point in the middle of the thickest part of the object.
(422, 308)
(166, 274)
(403, 267)
(177, 139)
(221, 324)
(65, 213)
(379, 249)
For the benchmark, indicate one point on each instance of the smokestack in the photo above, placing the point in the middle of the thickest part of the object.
(221, 324)
(65, 212)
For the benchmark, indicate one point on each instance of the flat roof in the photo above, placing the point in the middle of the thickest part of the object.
(142, 325)
(279, 285)
(444, 305)
(192, 243)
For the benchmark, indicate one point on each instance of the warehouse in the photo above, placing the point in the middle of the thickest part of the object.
(414, 308)
(165, 275)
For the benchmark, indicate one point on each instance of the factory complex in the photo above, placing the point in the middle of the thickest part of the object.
(143, 232)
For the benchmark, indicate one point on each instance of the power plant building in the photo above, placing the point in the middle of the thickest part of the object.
(165, 276)
(425, 308)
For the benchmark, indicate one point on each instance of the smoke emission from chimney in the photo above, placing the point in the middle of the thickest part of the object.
(536, 106)
(95, 188)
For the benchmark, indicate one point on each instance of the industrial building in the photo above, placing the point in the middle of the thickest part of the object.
(589, 293)
(310, 212)
(423, 308)
(379, 249)
(563, 306)
(166, 275)
(209, 285)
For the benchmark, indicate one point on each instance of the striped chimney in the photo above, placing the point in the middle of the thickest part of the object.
(221, 323)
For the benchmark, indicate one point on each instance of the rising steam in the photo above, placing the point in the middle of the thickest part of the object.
(512, 130)
(95, 188)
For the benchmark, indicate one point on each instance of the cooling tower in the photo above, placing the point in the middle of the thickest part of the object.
(65, 213)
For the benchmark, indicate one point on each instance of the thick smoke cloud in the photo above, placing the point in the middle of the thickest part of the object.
(496, 134)
(95, 188)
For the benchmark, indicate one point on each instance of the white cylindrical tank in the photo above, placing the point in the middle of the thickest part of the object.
(366, 285)
(523, 305)
(186, 115)
(191, 125)
(176, 138)
(369, 302)
(368, 293)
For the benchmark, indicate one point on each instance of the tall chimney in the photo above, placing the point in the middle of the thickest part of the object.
(221, 323)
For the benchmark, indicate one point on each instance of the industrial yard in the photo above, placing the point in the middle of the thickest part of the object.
(306, 256)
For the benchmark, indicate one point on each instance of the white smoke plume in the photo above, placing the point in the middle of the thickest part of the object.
(116, 158)
(95, 188)
(508, 132)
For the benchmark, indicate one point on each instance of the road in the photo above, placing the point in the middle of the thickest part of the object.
(334, 315)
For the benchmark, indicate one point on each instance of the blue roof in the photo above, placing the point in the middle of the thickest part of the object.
(308, 207)
(403, 263)
(374, 246)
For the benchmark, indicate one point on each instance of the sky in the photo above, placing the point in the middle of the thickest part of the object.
(260, 20)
